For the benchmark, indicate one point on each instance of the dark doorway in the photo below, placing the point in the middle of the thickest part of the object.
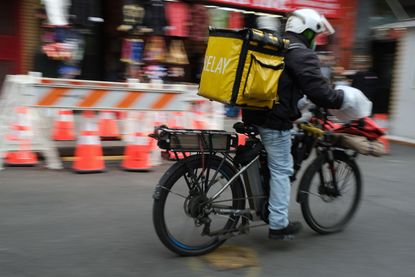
(384, 53)
(9, 39)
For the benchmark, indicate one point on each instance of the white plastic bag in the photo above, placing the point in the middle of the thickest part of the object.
(355, 105)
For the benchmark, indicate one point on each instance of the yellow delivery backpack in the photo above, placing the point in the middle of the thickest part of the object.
(243, 67)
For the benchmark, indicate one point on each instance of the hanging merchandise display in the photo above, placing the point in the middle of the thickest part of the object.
(178, 16)
(177, 60)
(132, 51)
(154, 16)
(57, 12)
(133, 44)
(177, 53)
(236, 20)
(67, 46)
(155, 73)
(155, 49)
(133, 17)
(218, 18)
(199, 22)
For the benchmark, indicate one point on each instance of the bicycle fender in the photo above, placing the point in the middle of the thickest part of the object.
(158, 189)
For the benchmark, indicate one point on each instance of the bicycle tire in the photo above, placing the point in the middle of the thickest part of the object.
(305, 195)
(169, 179)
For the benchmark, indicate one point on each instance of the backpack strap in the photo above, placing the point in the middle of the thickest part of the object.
(296, 45)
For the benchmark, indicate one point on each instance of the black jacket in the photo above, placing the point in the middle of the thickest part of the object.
(301, 76)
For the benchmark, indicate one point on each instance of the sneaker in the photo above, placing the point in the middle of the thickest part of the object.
(285, 233)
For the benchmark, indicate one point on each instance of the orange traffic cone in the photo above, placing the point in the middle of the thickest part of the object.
(88, 152)
(21, 134)
(137, 153)
(156, 158)
(108, 129)
(177, 120)
(64, 127)
(198, 116)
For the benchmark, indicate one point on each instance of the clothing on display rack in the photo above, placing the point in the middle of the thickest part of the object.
(199, 22)
(178, 18)
(177, 53)
(155, 49)
(218, 18)
(236, 20)
(154, 16)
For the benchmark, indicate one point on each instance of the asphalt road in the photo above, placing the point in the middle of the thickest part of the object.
(56, 223)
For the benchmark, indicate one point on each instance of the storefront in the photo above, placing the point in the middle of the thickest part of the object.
(150, 40)
(393, 53)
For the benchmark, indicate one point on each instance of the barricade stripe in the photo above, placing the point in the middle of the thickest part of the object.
(46, 81)
(52, 97)
(93, 97)
(163, 101)
(129, 100)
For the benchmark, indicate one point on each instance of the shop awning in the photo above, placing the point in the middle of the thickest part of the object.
(396, 25)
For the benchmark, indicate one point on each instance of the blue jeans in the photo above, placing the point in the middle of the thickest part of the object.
(280, 163)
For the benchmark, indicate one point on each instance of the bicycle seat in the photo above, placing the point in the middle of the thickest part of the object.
(242, 128)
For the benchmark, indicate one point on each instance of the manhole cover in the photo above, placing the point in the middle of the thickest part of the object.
(232, 257)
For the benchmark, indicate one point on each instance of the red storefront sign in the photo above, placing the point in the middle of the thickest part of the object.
(330, 8)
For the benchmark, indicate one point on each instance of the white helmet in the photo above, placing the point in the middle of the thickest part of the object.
(303, 19)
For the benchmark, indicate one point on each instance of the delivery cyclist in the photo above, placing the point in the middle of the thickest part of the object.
(301, 76)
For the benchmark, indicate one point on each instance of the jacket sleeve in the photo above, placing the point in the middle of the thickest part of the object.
(304, 67)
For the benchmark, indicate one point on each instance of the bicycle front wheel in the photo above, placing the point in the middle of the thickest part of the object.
(324, 209)
(180, 211)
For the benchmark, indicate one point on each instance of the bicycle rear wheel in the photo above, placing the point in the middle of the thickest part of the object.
(324, 210)
(179, 210)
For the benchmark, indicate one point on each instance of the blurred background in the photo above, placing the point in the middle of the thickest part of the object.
(55, 223)
(164, 41)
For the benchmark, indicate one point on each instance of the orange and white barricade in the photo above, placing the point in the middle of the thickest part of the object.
(43, 94)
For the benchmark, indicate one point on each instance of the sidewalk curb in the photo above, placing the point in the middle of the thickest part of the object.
(401, 141)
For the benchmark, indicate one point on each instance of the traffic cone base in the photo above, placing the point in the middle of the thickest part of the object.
(137, 154)
(89, 153)
(88, 159)
(137, 158)
(21, 158)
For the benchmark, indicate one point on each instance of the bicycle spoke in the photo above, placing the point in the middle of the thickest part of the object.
(311, 193)
(175, 193)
